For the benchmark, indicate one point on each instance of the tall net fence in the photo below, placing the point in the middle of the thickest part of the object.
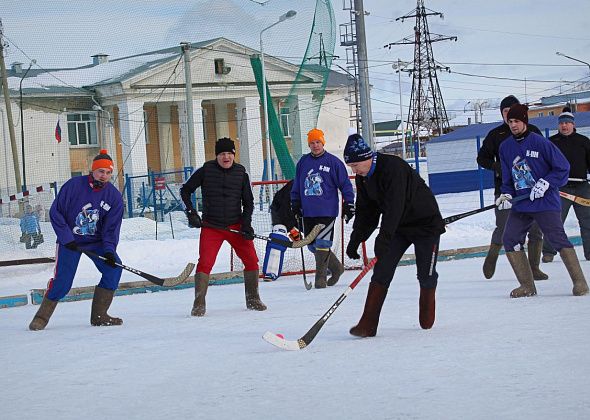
(158, 96)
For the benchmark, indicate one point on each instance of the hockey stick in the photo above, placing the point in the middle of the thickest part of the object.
(296, 244)
(576, 199)
(459, 216)
(307, 284)
(305, 341)
(174, 281)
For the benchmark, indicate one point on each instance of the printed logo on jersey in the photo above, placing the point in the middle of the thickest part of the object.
(313, 183)
(86, 221)
(521, 175)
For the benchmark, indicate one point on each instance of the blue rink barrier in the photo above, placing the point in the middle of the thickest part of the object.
(13, 301)
(132, 288)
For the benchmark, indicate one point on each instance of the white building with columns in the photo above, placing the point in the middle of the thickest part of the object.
(136, 108)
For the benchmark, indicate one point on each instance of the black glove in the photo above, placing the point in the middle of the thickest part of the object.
(194, 220)
(248, 232)
(296, 209)
(72, 246)
(110, 259)
(348, 212)
(351, 250)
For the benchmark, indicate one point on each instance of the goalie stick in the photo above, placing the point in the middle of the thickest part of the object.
(576, 199)
(169, 282)
(296, 244)
(308, 337)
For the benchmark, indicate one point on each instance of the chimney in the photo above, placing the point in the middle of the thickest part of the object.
(17, 67)
(100, 59)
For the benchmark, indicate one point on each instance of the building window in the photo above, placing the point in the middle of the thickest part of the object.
(82, 129)
(551, 113)
(539, 114)
(284, 112)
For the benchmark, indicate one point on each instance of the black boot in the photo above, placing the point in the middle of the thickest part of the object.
(43, 314)
(367, 326)
(201, 285)
(100, 305)
(251, 286)
(427, 308)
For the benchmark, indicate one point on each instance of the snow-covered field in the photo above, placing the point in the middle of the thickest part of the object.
(487, 356)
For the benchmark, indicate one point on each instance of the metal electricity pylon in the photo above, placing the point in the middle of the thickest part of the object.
(427, 115)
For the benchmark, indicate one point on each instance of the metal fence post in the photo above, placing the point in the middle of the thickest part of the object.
(480, 173)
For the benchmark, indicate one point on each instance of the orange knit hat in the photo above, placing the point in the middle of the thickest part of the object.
(102, 160)
(316, 134)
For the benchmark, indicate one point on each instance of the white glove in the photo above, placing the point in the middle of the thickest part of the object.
(503, 202)
(539, 189)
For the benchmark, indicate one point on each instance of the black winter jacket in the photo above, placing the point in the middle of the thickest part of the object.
(576, 149)
(397, 193)
(489, 154)
(227, 194)
(280, 208)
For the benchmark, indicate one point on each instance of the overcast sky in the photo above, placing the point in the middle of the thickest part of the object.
(497, 41)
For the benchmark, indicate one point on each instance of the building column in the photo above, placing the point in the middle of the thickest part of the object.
(133, 137)
(198, 158)
(301, 119)
(165, 134)
(250, 136)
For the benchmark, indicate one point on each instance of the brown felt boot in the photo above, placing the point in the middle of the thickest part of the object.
(336, 269)
(524, 275)
(201, 285)
(489, 265)
(571, 262)
(100, 305)
(367, 326)
(251, 286)
(43, 314)
(535, 248)
(321, 268)
(547, 258)
(427, 308)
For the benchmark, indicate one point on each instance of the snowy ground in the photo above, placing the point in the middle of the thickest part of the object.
(487, 357)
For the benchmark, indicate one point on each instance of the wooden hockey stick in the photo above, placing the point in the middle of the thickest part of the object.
(576, 199)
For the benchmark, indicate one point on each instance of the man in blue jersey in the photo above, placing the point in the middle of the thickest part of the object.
(86, 216)
(314, 197)
(535, 167)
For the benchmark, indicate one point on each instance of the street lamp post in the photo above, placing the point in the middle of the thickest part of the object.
(22, 126)
(398, 68)
(290, 14)
(464, 111)
(572, 58)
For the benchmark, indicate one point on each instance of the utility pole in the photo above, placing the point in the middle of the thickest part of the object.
(9, 112)
(365, 94)
(186, 48)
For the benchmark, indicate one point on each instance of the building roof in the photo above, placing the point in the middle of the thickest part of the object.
(73, 80)
(386, 128)
(76, 80)
(566, 97)
(481, 130)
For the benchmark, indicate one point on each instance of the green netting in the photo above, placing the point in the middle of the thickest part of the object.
(316, 62)
(275, 131)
